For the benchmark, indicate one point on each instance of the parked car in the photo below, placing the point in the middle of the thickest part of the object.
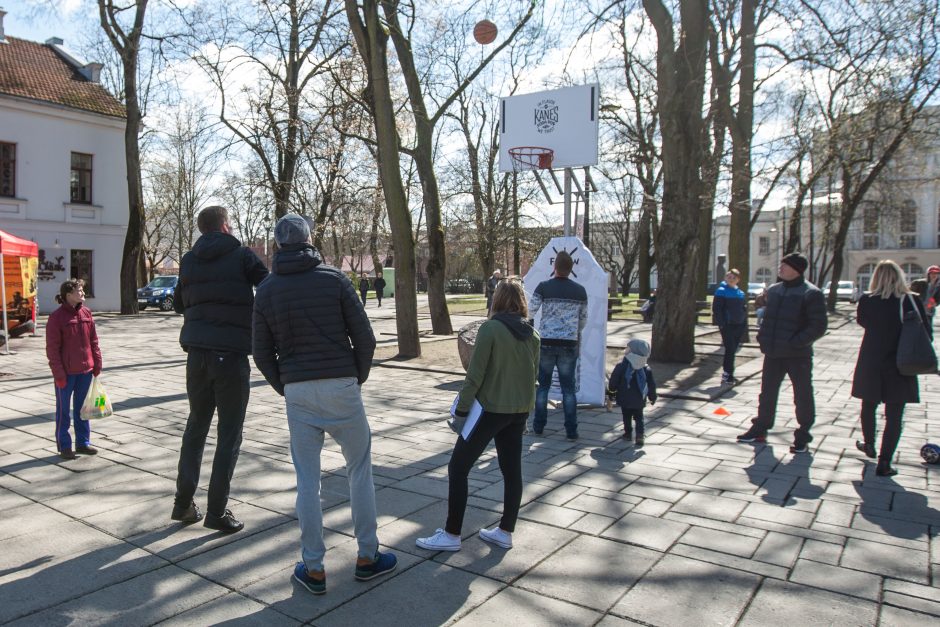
(158, 293)
(755, 289)
(844, 291)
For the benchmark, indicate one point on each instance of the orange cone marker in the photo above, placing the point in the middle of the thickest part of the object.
(721, 411)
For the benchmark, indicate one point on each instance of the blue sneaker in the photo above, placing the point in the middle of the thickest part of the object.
(316, 585)
(383, 563)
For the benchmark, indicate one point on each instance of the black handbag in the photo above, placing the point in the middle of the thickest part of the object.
(915, 349)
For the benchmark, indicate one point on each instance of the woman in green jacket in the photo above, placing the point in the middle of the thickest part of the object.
(501, 376)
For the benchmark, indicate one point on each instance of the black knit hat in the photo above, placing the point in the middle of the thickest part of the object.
(796, 261)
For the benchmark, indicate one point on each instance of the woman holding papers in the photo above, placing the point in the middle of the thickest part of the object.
(501, 377)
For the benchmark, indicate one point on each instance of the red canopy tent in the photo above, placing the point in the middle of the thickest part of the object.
(18, 264)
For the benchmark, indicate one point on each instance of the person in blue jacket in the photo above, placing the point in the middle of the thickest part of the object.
(729, 311)
(632, 382)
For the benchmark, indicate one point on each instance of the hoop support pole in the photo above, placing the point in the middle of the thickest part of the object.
(567, 222)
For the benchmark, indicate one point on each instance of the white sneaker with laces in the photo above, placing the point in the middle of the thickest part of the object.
(440, 541)
(497, 536)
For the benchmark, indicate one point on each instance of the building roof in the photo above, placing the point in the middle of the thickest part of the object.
(36, 71)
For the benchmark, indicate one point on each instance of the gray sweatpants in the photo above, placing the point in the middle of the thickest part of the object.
(331, 406)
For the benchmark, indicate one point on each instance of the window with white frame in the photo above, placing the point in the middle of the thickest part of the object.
(913, 271)
(871, 226)
(863, 276)
(763, 245)
(907, 231)
(7, 169)
(764, 275)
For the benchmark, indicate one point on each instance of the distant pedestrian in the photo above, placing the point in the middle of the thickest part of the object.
(379, 286)
(920, 288)
(632, 383)
(364, 287)
(794, 319)
(564, 316)
(877, 379)
(932, 297)
(318, 362)
(501, 376)
(729, 310)
(648, 310)
(491, 284)
(215, 294)
(74, 358)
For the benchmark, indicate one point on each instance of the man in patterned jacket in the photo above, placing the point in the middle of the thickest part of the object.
(564, 314)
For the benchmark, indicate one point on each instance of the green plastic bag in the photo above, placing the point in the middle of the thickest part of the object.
(97, 404)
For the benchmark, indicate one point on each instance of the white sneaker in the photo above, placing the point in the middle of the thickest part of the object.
(440, 541)
(497, 536)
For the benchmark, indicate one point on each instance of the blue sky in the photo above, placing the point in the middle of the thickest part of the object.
(37, 20)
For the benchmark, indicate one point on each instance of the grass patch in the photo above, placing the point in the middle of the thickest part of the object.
(463, 304)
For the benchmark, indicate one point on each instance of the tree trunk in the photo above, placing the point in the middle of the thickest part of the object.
(794, 236)
(680, 77)
(644, 259)
(133, 241)
(742, 132)
(372, 43)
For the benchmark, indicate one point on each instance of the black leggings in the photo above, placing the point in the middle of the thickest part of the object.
(506, 430)
(892, 434)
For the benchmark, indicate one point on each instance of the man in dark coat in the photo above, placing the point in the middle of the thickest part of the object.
(215, 296)
(364, 288)
(491, 284)
(795, 317)
(314, 344)
(379, 286)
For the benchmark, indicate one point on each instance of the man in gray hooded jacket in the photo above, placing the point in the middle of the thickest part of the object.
(314, 344)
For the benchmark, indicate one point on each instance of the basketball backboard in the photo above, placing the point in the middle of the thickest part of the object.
(561, 120)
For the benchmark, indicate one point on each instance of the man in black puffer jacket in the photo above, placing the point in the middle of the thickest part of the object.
(314, 344)
(215, 297)
(795, 318)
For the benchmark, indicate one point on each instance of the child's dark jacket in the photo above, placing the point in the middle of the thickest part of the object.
(628, 393)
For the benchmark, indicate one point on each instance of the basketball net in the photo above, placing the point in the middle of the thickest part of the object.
(531, 158)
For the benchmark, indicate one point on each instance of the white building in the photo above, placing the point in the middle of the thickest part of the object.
(63, 180)
(899, 219)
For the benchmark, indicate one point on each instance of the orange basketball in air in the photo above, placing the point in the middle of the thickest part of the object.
(485, 32)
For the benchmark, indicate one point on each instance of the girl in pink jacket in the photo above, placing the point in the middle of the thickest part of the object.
(74, 357)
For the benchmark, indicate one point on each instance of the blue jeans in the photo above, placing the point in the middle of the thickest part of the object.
(565, 358)
(72, 396)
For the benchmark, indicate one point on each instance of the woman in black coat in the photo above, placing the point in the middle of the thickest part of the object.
(877, 379)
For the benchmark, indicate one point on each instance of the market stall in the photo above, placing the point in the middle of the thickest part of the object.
(19, 261)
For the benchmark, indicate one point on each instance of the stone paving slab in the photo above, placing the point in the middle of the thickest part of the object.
(692, 528)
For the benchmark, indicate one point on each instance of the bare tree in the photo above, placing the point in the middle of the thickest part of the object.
(876, 70)
(632, 113)
(401, 20)
(372, 44)
(288, 46)
(125, 34)
(250, 204)
(616, 244)
(680, 75)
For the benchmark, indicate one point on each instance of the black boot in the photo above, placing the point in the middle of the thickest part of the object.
(865, 447)
(884, 468)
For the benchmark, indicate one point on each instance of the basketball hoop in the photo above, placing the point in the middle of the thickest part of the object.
(531, 158)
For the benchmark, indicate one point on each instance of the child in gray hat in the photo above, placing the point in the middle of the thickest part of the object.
(632, 383)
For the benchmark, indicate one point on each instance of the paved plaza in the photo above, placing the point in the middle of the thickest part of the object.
(692, 529)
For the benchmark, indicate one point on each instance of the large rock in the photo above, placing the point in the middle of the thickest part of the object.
(466, 340)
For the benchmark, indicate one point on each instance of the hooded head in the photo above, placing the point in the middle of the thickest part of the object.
(292, 229)
(637, 353)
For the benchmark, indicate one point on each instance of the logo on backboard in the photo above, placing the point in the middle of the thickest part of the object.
(546, 116)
